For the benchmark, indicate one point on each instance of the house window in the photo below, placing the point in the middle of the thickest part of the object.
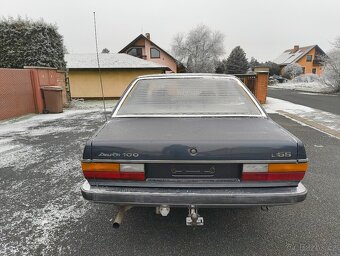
(303, 70)
(137, 52)
(314, 70)
(309, 58)
(155, 53)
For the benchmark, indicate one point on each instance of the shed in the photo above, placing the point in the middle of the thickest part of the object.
(117, 72)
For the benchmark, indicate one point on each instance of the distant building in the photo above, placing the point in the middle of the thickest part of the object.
(117, 71)
(308, 57)
(142, 47)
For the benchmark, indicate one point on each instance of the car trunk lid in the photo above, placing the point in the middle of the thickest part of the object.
(192, 139)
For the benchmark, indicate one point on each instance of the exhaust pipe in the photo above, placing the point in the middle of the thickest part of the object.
(120, 216)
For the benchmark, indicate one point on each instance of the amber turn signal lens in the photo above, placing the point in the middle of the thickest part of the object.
(299, 167)
(100, 167)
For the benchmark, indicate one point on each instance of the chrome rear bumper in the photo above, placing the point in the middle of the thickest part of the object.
(203, 197)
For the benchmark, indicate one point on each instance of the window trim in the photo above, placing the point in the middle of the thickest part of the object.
(135, 47)
(132, 85)
(311, 60)
(151, 48)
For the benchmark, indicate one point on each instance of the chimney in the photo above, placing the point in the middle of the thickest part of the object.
(147, 35)
(296, 48)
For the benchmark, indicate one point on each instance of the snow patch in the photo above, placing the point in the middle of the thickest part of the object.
(48, 178)
(22, 153)
(93, 104)
(273, 105)
(48, 130)
(327, 119)
(49, 219)
(22, 124)
(5, 148)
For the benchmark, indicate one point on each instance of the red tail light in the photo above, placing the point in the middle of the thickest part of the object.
(296, 176)
(113, 171)
(274, 172)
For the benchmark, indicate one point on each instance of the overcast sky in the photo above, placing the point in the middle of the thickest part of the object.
(263, 28)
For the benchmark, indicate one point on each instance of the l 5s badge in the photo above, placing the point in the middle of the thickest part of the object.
(282, 154)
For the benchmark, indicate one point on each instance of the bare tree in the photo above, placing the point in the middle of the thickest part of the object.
(199, 50)
(253, 63)
(292, 70)
(332, 66)
(337, 43)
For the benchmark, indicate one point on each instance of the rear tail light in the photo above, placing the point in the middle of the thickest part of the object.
(113, 171)
(274, 172)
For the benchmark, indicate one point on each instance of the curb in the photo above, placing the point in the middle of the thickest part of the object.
(315, 125)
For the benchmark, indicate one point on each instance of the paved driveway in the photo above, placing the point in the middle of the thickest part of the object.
(42, 211)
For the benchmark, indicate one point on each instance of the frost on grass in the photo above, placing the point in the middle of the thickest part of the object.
(40, 178)
(307, 87)
(307, 83)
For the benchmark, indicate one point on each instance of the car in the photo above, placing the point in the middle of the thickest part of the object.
(194, 141)
(277, 79)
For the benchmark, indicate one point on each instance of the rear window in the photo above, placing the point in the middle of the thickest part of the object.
(188, 96)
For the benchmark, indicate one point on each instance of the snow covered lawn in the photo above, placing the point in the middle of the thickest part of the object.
(307, 83)
(307, 87)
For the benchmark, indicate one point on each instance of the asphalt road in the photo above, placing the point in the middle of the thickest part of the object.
(326, 102)
(43, 213)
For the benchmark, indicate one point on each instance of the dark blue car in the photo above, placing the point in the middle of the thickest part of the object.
(195, 141)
